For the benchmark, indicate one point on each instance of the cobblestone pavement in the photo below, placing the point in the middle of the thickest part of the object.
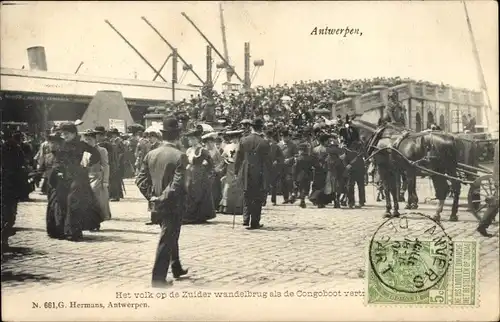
(297, 247)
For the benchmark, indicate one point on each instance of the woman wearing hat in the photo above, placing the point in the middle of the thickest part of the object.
(72, 206)
(210, 144)
(98, 174)
(44, 159)
(199, 173)
(232, 192)
(117, 171)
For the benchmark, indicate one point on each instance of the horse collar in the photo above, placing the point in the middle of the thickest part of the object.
(400, 139)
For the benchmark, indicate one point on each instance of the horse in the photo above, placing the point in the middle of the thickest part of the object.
(396, 153)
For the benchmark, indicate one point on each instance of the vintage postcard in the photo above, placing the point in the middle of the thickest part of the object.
(249, 160)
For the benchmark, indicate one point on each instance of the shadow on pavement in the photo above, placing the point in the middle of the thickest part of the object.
(29, 229)
(103, 238)
(292, 228)
(142, 219)
(131, 199)
(17, 252)
(444, 218)
(130, 231)
(9, 276)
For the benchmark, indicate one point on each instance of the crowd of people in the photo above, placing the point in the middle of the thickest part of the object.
(215, 154)
(283, 101)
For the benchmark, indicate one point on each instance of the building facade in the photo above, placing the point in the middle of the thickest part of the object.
(38, 97)
(423, 104)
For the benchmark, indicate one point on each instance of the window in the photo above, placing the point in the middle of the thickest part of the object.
(418, 122)
(430, 119)
(442, 123)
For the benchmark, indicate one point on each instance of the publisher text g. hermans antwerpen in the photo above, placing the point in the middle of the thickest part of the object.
(336, 31)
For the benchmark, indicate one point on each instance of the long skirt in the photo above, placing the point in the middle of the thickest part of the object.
(72, 207)
(232, 193)
(102, 195)
(325, 188)
(115, 185)
(200, 202)
(217, 190)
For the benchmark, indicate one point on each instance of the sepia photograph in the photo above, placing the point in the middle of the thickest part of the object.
(249, 160)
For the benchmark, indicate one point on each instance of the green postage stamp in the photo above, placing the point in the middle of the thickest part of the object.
(411, 260)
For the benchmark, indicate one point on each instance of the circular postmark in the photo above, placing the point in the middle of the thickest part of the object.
(410, 254)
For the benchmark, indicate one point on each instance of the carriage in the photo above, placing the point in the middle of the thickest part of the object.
(483, 141)
(480, 179)
(471, 171)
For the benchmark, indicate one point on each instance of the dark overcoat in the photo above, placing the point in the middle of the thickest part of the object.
(253, 163)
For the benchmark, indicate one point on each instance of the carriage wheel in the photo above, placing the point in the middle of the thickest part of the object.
(481, 193)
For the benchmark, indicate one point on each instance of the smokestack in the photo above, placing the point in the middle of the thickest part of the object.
(36, 58)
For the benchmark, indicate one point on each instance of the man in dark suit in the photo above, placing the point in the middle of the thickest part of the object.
(277, 164)
(289, 149)
(162, 182)
(348, 133)
(252, 165)
(303, 173)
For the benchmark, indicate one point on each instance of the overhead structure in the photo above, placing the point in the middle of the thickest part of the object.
(209, 67)
(479, 68)
(228, 67)
(211, 45)
(185, 69)
(162, 66)
(257, 64)
(172, 48)
(228, 86)
(134, 49)
(247, 83)
(78, 68)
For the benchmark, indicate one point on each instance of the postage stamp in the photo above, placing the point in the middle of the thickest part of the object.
(412, 261)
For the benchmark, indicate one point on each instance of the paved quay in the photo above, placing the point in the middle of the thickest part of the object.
(296, 247)
(298, 250)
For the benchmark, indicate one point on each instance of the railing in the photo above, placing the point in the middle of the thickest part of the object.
(423, 104)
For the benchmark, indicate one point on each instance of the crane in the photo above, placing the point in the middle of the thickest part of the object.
(211, 45)
(229, 68)
(479, 68)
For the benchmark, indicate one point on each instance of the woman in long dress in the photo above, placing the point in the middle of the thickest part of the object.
(209, 143)
(72, 206)
(199, 173)
(232, 192)
(98, 175)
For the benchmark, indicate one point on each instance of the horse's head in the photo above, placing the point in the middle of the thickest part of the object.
(366, 131)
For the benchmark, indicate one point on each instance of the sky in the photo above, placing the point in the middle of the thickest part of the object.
(422, 40)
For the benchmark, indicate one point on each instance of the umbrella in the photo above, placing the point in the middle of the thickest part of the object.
(286, 98)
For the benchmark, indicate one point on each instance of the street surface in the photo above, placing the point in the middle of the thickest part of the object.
(297, 248)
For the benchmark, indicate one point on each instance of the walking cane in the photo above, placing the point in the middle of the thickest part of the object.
(234, 218)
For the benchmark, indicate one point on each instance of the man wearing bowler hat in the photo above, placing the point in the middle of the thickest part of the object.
(162, 182)
(252, 165)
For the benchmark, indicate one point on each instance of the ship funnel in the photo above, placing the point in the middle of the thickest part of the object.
(36, 58)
